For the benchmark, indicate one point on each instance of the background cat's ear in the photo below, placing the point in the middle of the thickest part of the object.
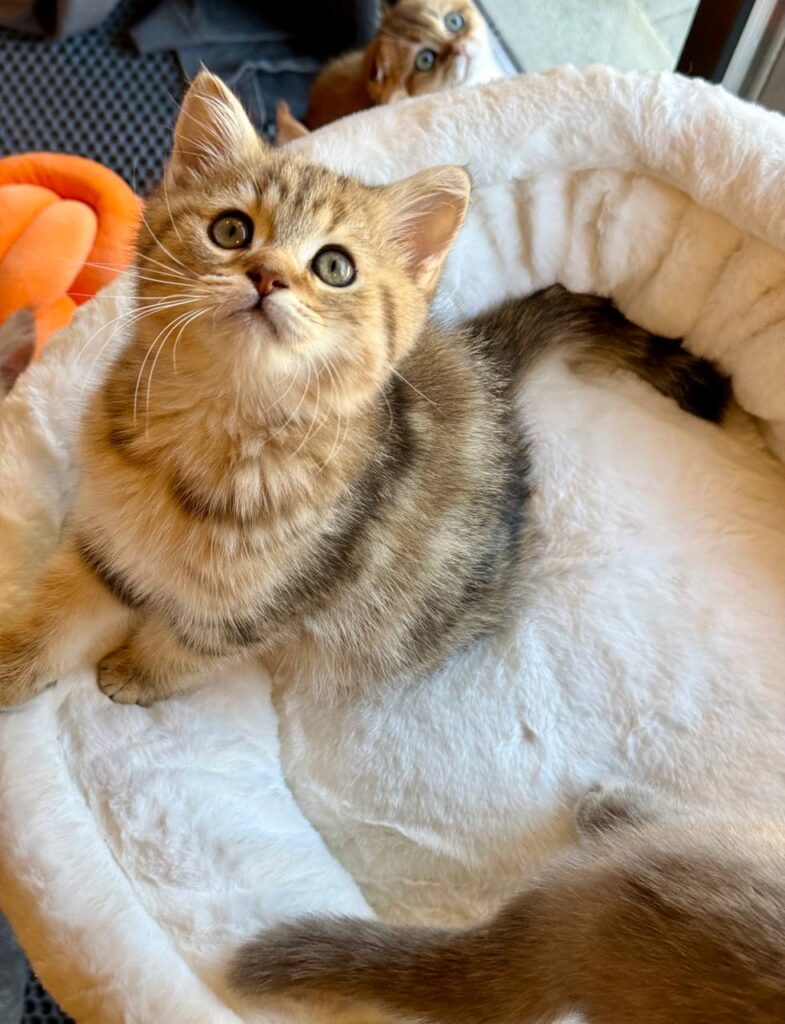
(426, 212)
(374, 61)
(288, 128)
(212, 129)
(386, 65)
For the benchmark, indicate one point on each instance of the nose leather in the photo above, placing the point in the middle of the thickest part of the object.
(266, 280)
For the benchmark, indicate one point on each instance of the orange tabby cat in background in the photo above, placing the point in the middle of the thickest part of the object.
(422, 46)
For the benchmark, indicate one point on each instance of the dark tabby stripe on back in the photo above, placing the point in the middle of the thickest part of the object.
(594, 331)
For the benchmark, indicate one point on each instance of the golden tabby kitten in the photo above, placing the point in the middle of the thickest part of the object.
(659, 917)
(287, 458)
(422, 46)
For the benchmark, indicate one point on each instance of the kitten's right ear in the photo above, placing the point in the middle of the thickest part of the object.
(212, 130)
(425, 214)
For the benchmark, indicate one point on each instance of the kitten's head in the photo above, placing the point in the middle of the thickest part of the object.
(273, 271)
(425, 46)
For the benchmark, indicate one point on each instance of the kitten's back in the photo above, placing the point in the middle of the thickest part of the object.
(339, 90)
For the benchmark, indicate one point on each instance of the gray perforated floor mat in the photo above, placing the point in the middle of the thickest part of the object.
(91, 94)
(40, 1008)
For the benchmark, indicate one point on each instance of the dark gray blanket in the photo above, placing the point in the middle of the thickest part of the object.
(54, 17)
(13, 976)
(263, 51)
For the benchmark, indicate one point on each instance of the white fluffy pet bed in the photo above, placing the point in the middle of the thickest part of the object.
(138, 847)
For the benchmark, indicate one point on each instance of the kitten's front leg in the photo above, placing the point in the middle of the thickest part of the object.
(152, 665)
(71, 614)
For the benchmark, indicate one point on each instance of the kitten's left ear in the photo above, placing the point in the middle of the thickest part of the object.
(375, 66)
(212, 129)
(426, 212)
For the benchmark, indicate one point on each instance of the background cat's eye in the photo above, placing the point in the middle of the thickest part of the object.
(334, 266)
(232, 230)
(454, 21)
(425, 60)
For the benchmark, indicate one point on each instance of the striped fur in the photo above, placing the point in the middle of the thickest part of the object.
(320, 476)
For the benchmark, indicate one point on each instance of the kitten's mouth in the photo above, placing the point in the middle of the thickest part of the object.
(259, 310)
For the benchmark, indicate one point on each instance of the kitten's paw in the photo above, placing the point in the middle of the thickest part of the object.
(122, 683)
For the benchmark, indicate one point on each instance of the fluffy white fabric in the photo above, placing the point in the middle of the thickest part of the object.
(139, 846)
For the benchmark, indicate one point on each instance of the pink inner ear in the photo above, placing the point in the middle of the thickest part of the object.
(426, 212)
(431, 230)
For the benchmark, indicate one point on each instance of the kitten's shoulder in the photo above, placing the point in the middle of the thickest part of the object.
(451, 359)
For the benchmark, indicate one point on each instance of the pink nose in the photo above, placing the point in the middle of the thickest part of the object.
(458, 49)
(266, 281)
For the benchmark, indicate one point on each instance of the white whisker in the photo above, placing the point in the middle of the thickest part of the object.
(281, 429)
(179, 335)
(132, 316)
(169, 209)
(415, 389)
(343, 423)
(185, 319)
(176, 320)
(161, 245)
(315, 416)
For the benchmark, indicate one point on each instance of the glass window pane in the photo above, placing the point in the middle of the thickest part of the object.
(629, 34)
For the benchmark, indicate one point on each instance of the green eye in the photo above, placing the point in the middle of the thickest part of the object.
(454, 21)
(232, 230)
(425, 60)
(334, 267)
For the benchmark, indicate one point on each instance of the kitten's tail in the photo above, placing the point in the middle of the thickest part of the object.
(471, 976)
(403, 969)
(600, 335)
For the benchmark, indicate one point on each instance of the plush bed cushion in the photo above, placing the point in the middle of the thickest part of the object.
(139, 846)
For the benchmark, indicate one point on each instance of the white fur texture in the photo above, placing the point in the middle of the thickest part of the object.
(138, 846)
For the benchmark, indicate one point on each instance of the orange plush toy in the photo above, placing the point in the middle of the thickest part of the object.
(67, 227)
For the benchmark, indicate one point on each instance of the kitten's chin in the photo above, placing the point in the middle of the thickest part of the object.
(261, 325)
(264, 320)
